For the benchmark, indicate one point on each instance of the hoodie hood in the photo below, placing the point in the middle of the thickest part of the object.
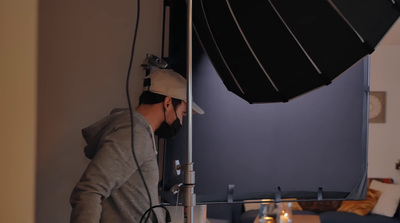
(93, 134)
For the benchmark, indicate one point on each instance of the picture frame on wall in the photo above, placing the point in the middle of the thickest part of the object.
(377, 107)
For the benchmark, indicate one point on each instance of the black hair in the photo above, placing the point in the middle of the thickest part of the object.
(149, 98)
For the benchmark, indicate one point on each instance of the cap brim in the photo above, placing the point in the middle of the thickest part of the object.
(197, 109)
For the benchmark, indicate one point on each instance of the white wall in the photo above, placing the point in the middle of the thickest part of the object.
(384, 138)
(18, 74)
(84, 51)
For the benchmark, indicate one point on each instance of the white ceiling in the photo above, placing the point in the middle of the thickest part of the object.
(393, 36)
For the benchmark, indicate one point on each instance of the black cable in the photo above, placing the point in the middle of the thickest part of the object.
(130, 104)
(164, 165)
(168, 216)
(163, 32)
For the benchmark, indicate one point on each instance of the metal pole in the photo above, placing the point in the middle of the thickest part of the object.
(189, 78)
(189, 197)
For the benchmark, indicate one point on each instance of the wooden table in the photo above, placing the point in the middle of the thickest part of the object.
(300, 219)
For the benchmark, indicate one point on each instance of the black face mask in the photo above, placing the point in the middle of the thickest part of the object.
(167, 131)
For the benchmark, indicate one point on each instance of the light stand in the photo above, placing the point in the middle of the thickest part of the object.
(189, 197)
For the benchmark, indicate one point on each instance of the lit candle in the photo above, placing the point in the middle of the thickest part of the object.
(268, 219)
(284, 218)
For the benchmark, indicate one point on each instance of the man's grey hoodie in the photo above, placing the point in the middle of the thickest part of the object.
(111, 188)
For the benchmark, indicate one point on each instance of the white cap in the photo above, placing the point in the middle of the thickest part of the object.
(169, 83)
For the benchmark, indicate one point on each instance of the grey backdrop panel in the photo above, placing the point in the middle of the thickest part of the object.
(316, 142)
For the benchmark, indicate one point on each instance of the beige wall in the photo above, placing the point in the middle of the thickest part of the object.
(18, 72)
(384, 143)
(84, 51)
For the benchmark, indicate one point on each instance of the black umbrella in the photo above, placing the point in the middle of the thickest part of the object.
(275, 50)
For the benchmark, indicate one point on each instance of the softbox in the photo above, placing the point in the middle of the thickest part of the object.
(275, 50)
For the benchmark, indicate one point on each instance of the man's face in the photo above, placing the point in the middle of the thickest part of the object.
(181, 110)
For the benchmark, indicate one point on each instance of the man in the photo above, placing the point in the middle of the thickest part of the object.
(112, 188)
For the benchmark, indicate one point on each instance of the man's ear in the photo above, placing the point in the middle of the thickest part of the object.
(167, 102)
